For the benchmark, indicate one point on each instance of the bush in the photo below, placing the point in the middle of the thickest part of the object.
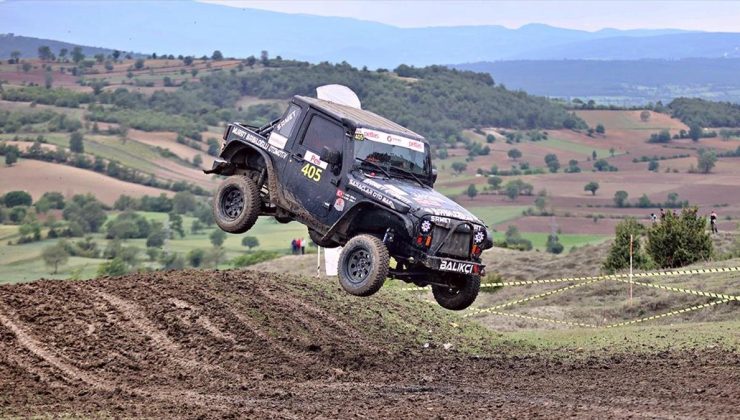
(128, 225)
(17, 198)
(618, 257)
(114, 267)
(514, 240)
(196, 257)
(254, 258)
(679, 240)
(553, 244)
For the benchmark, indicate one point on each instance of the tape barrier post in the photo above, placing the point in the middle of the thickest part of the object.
(624, 278)
(631, 239)
(318, 261)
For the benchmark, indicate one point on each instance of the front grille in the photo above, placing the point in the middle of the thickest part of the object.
(457, 245)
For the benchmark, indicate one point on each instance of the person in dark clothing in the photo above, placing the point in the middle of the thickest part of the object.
(662, 214)
(294, 246)
(713, 221)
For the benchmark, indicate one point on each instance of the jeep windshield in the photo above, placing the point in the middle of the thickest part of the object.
(388, 156)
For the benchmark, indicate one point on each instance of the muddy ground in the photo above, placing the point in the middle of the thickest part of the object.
(247, 344)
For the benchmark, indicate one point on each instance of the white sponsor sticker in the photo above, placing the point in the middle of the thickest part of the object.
(339, 204)
(392, 139)
(312, 157)
(277, 140)
(457, 267)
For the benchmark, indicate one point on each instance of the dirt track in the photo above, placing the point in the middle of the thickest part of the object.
(214, 344)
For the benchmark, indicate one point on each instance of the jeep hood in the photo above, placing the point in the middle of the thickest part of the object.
(420, 200)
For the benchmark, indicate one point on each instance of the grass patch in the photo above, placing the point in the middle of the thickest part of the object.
(539, 239)
(569, 146)
(499, 214)
(641, 338)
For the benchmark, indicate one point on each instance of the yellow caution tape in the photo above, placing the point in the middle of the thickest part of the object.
(473, 312)
(624, 278)
(682, 290)
(535, 318)
(604, 277)
(671, 313)
(619, 324)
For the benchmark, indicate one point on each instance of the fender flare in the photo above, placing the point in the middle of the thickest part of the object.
(235, 147)
(341, 225)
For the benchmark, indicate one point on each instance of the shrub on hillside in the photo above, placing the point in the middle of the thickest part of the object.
(679, 240)
(618, 257)
(17, 198)
(553, 244)
(254, 258)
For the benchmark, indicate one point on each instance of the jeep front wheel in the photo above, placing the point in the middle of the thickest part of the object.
(236, 205)
(459, 293)
(363, 265)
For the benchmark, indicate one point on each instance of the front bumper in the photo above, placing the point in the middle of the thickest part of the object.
(221, 167)
(452, 265)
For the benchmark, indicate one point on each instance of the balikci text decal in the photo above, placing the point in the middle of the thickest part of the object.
(457, 267)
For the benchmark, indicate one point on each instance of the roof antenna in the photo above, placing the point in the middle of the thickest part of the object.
(338, 94)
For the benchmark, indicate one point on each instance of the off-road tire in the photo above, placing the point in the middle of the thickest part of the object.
(316, 238)
(461, 292)
(236, 204)
(363, 265)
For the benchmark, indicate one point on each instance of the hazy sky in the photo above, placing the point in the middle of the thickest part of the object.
(586, 15)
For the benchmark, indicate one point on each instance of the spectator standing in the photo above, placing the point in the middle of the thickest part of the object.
(713, 221)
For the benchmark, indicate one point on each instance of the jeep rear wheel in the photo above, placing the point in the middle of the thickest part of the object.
(236, 205)
(459, 293)
(363, 265)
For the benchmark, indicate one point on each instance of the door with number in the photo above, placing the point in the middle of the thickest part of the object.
(311, 180)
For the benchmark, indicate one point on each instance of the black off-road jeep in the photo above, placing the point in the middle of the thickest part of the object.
(356, 180)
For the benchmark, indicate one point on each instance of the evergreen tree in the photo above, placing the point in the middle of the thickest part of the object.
(618, 257)
(76, 144)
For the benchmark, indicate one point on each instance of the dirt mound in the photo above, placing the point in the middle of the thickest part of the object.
(252, 344)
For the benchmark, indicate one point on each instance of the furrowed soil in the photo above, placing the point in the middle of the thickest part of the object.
(255, 344)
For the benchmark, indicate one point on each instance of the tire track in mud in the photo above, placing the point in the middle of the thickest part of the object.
(272, 343)
(71, 374)
(298, 306)
(138, 318)
(35, 347)
(142, 346)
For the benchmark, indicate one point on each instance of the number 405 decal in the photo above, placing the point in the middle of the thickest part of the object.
(312, 172)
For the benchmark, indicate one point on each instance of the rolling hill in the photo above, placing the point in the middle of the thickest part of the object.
(28, 46)
(619, 82)
(197, 29)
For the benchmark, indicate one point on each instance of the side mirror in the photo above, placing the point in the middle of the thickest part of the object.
(434, 176)
(330, 156)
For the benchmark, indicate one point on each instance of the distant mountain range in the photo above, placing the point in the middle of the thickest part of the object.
(29, 46)
(197, 28)
(619, 82)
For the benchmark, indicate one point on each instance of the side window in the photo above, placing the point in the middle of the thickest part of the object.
(286, 125)
(323, 132)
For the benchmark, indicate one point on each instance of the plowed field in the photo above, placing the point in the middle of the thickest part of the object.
(250, 344)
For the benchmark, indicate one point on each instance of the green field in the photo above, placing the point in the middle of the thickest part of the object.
(677, 336)
(23, 262)
(569, 146)
(494, 215)
(539, 239)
